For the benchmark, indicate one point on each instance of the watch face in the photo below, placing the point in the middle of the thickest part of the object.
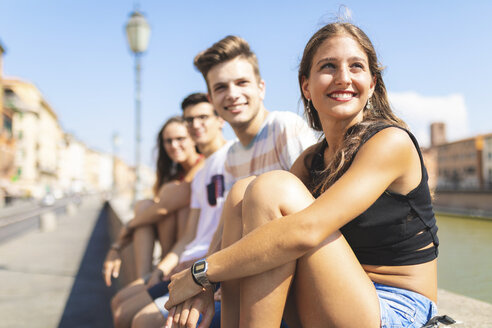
(199, 267)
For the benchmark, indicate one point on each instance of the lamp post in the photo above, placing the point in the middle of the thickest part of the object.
(138, 32)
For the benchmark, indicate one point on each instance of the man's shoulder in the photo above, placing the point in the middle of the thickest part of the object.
(286, 119)
(218, 156)
(214, 165)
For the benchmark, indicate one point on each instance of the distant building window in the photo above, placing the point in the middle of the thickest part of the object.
(7, 124)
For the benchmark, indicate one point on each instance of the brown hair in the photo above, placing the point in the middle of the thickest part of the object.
(166, 169)
(194, 99)
(224, 50)
(379, 111)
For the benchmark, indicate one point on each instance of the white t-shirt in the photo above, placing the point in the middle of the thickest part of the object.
(207, 195)
(281, 139)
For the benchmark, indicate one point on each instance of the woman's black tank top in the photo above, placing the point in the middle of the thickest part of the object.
(395, 228)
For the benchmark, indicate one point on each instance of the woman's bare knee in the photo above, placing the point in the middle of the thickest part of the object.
(272, 195)
(281, 188)
(141, 205)
(149, 316)
(236, 194)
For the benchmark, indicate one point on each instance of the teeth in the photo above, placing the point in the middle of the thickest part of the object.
(341, 95)
(232, 107)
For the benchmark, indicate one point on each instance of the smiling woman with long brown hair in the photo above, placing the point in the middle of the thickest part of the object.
(163, 217)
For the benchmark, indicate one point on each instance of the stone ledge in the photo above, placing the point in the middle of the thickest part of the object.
(469, 312)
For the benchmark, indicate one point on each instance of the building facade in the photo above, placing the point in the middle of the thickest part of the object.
(7, 141)
(459, 165)
(71, 166)
(38, 137)
(487, 161)
(462, 165)
(37, 157)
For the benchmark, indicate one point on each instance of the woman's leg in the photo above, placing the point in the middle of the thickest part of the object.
(125, 312)
(331, 287)
(126, 293)
(268, 197)
(148, 317)
(143, 249)
(231, 216)
(167, 233)
(181, 220)
(143, 242)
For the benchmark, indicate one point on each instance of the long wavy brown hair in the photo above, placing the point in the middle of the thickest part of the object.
(379, 113)
(166, 169)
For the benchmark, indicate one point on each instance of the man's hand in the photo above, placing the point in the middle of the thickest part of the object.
(180, 267)
(181, 288)
(187, 314)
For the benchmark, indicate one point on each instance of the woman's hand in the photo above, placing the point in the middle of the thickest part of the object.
(181, 288)
(111, 266)
(187, 314)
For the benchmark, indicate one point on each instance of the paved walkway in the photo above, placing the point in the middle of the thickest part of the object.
(53, 279)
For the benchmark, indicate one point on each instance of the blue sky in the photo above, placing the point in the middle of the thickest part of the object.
(437, 56)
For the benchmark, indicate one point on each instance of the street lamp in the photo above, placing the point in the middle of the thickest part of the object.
(138, 32)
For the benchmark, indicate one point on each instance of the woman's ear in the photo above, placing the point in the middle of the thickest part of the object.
(373, 86)
(305, 87)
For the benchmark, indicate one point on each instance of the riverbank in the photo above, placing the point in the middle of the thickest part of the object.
(463, 213)
(474, 204)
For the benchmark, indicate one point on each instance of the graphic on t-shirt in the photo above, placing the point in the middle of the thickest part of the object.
(215, 189)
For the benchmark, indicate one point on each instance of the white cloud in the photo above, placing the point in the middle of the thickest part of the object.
(420, 111)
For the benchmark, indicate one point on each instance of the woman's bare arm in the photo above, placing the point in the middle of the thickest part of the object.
(173, 196)
(384, 161)
(381, 162)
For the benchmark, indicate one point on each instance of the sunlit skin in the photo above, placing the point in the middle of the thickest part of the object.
(331, 287)
(133, 305)
(172, 198)
(204, 126)
(237, 95)
(339, 84)
(179, 145)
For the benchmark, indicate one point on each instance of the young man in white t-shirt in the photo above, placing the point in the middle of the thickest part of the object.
(136, 308)
(266, 141)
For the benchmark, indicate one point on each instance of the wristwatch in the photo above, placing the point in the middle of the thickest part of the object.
(199, 273)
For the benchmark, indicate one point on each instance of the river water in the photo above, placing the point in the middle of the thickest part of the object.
(465, 256)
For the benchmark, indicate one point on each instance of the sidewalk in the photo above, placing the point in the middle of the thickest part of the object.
(53, 279)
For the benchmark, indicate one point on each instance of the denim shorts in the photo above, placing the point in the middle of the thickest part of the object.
(403, 308)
